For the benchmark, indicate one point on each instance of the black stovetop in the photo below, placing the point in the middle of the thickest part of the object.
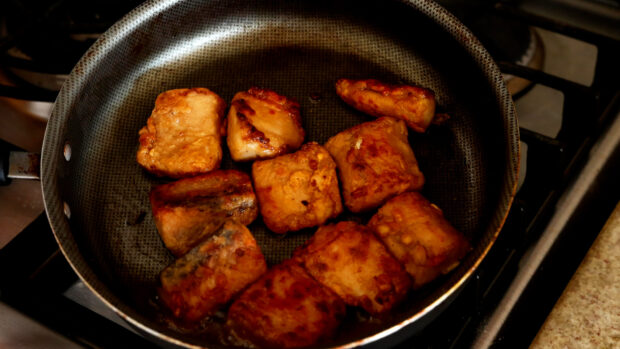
(39, 275)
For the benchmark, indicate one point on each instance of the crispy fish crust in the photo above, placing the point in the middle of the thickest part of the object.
(351, 261)
(199, 283)
(297, 190)
(182, 137)
(415, 105)
(286, 308)
(419, 236)
(188, 210)
(375, 163)
(263, 124)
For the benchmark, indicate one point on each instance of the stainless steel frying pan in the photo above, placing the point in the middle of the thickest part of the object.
(96, 195)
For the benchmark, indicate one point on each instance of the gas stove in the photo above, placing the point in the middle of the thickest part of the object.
(560, 62)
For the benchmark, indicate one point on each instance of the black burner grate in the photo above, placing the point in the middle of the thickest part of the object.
(37, 264)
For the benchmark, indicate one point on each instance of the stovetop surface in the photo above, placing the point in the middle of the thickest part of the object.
(540, 109)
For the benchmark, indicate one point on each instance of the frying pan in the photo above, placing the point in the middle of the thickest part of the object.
(96, 195)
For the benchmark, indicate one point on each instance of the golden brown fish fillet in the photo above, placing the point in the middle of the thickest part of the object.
(419, 236)
(375, 163)
(297, 190)
(415, 105)
(188, 210)
(263, 124)
(199, 283)
(286, 308)
(348, 259)
(182, 137)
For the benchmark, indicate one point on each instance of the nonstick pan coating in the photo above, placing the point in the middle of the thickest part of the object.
(97, 200)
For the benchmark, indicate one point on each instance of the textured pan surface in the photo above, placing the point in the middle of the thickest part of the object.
(298, 49)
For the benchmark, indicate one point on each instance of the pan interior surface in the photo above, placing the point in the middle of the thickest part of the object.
(298, 49)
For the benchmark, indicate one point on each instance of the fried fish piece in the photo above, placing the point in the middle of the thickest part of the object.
(297, 190)
(182, 137)
(419, 236)
(207, 277)
(348, 259)
(375, 163)
(286, 308)
(263, 124)
(188, 210)
(415, 105)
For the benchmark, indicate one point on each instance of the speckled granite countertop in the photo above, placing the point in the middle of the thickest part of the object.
(587, 315)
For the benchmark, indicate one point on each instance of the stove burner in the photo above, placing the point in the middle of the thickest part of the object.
(510, 41)
(533, 58)
(41, 283)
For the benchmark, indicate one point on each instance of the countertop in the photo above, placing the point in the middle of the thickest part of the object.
(587, 315)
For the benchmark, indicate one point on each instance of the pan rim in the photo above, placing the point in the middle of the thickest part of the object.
(52, 150)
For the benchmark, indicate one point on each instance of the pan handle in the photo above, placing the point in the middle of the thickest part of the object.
(4, 164)
(17, 164)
